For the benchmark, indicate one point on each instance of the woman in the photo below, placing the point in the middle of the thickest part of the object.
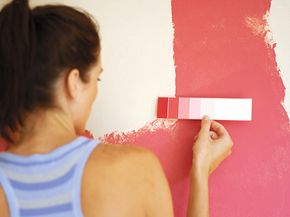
(50, 65)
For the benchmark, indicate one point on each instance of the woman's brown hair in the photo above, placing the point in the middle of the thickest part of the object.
(37, 47)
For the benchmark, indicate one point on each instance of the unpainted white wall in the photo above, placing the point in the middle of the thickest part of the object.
(279, 21)
(137, 56)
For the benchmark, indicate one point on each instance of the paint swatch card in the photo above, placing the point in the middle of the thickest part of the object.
(195, 108)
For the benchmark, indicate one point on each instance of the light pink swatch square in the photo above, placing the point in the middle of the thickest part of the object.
(184, 106)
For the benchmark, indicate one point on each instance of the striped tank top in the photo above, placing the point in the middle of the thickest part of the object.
(46, 185)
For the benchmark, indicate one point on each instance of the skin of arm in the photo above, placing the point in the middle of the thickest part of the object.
(125, 181)
(3, 204)
(159, 201)
(198, 205)
(212, 145)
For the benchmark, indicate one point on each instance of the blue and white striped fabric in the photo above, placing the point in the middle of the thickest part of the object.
(46, 185)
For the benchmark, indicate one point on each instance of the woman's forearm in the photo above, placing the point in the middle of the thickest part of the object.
(211, 146)
(198, 204)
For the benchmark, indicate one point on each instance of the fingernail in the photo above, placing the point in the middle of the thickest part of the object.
(206, 117)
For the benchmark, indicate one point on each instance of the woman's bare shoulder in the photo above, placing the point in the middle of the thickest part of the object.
(120, 152)
(117, 176)
(122, 158)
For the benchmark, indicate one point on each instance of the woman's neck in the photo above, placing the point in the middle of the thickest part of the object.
(43, 132)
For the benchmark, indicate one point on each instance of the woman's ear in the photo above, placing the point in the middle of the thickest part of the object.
(72, 83)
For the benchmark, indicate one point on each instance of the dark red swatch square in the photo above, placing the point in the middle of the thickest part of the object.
(162, 107)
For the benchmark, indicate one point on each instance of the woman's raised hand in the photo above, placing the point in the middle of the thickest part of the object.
(212, 145)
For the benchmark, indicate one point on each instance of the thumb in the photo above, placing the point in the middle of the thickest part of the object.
(205, 125)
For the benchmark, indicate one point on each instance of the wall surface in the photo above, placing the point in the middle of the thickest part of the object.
(225, 49)
(222, 48)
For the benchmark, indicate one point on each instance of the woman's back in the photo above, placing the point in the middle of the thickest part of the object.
(116, 181)
(45, 183)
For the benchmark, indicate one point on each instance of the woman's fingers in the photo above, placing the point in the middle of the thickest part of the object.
(222, 134)
(212, 145)
(219, 129)
(213, 135)
(205, 125)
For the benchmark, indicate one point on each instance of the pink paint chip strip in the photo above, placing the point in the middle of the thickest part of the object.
(191, 108)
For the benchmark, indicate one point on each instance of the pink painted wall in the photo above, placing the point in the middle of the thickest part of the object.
(217, 54)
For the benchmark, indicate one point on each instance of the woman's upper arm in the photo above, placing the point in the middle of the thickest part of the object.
(158, 198)
(3, 204)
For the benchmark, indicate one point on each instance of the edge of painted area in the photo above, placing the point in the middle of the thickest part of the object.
(280, 34)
